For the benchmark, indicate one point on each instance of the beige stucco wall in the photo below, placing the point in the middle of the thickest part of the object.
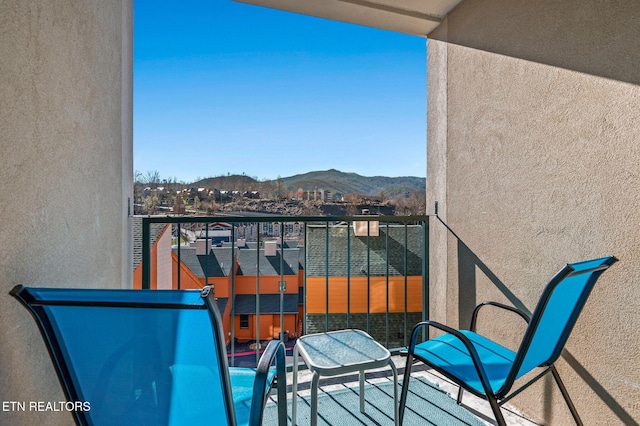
(65, 171)
(534, 160)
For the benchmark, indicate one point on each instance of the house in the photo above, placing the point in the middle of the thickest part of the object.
(190, 267)
(255, 271)
(354, 273)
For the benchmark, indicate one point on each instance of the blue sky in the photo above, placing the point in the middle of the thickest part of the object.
(223, 87)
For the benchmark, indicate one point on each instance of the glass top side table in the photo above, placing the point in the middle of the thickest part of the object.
(340, 352)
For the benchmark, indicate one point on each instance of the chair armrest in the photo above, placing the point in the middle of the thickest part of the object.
(474, 317)
(465, 341)
(274, 351)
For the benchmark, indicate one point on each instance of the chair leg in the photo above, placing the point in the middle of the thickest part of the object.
(459, 399)
(282, 406)
(405, 387)
(566, 397)
(497, 413)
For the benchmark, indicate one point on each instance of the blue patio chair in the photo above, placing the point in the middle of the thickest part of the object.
(489, 370)
(150, 357)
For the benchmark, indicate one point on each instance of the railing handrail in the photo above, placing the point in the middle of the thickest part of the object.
(281, 218)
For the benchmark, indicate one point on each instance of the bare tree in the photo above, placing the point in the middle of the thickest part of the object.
(279, 187)
(152, 177)
(414, 204)
(352, 201)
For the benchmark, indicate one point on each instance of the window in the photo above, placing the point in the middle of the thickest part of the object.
(244, 321)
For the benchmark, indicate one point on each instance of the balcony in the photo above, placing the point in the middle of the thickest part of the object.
(290, 276)
(429, 401)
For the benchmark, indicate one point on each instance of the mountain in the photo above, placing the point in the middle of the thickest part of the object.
(348, 183)
(328, 180)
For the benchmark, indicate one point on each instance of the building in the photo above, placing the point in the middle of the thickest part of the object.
(201, 263)
(355, 279)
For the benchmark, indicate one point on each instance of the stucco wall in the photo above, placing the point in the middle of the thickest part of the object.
(65, 172)
(534, 160)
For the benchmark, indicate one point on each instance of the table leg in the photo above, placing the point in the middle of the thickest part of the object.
(362, 391)
(294, 387)
(395, 393)
(314, 398)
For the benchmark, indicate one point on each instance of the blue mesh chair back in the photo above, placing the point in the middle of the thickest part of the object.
(557, 312)
(139, 357)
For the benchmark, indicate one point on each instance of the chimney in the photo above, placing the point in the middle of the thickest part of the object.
(203, 246)
(366, 228)
(270, 248)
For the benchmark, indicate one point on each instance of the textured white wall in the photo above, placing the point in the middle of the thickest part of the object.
(165, 262)
(65, 171)
(534, 160)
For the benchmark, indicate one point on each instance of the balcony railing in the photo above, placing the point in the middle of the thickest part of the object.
(284, 276)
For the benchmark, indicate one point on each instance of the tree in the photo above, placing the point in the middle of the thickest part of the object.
(266, 188)
(196, 203)
(352, 201)
(413, 204)
(151, 177)
(151, 202)
(279, 187)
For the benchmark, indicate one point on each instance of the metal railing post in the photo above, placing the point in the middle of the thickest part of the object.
(258, 341)
(425, 276)
(233, 295)
(206, 257)
(406, 273)
(326, 275)
(368, 276)
(283, 285)
(386, 248)
(349, 274)
(179, 260)
(304, 284)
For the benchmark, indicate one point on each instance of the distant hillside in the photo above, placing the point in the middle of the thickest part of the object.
(347, 183)
(230, 182)
(328, 180)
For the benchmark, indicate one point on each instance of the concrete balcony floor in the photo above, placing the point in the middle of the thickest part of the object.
(331, 386)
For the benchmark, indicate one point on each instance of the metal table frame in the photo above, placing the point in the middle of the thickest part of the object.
(339, 352)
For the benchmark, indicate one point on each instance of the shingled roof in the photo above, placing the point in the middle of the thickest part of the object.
(218, 262)
(269, 304)
(269, 265)
(316, 251)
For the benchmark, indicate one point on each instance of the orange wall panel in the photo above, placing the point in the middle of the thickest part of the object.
(338, 303)
(268, 284)
(269, 326)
